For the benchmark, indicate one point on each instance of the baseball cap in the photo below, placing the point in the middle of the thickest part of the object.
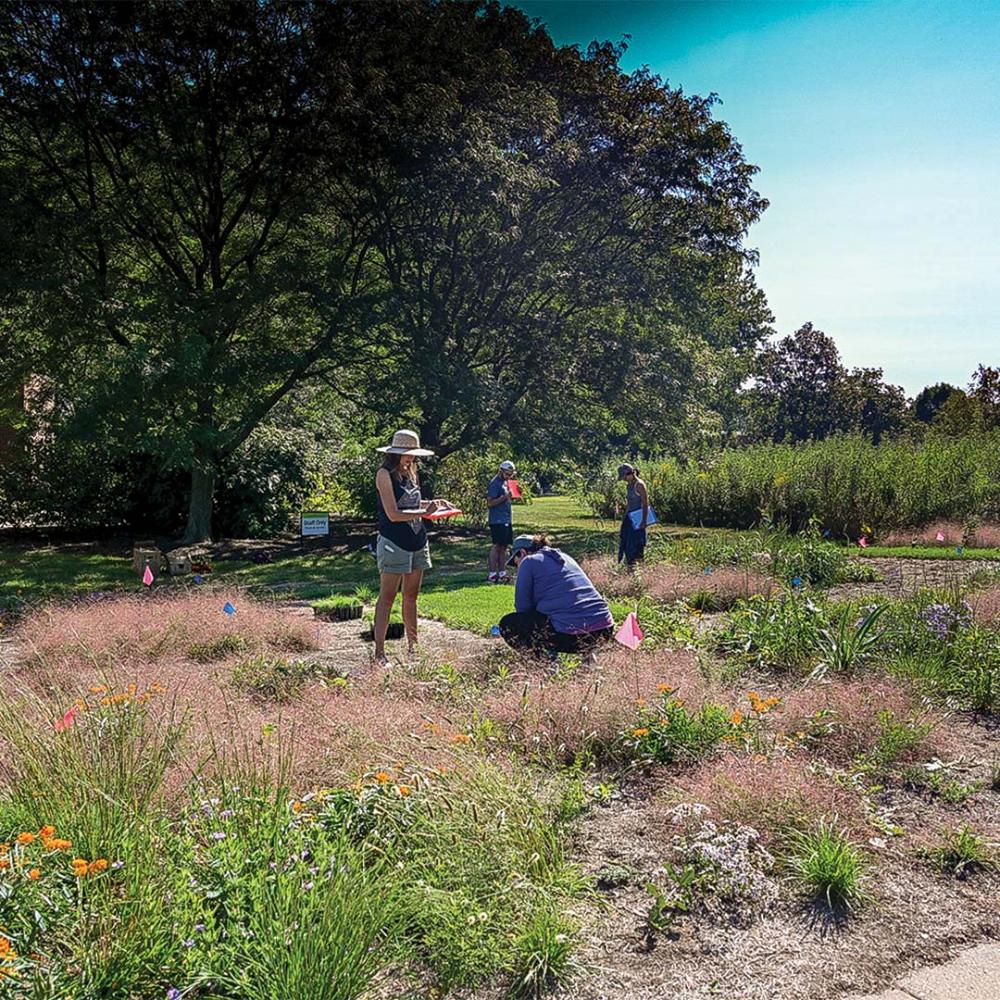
(507, 466)
(625, 470)
(519, 544)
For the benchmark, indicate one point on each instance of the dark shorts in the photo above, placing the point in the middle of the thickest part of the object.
(502, 534)
(530, 631)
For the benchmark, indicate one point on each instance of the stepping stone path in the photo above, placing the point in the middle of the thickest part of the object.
(342, 646)
(973, 975)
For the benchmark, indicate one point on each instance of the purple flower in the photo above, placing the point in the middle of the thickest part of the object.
(218, 835)
(189, 943)
(226, 814)
(173, 993)
(199, 928)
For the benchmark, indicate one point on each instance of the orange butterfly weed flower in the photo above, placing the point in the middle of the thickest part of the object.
(461, 738)
(641, 731)
(34, 874)
(403, 790)
(46, 832)
(664, 688)
(737, 718)
(383, 777)
(99, 865)
(80, 867)
(25, 838)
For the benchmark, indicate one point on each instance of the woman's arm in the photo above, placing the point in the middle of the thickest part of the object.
(383, 483)
(640, 488)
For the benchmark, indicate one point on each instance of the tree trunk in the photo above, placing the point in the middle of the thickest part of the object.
(199, 525)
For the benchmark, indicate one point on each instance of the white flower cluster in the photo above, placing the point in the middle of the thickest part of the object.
(734, 866)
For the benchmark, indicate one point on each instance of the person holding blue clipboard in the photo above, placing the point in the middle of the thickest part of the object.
(638, 516)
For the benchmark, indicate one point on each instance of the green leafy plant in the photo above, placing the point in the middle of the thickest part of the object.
(848, 641)
(962, 852)
(669, 732)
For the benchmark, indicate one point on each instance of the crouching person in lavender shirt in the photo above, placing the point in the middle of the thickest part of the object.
(557, 608)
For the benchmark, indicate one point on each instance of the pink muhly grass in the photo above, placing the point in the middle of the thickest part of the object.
(126, 631)
(986, 606)
(587, 712)
(843, 718)
(775, 795)
(984, 536)
(716, 591)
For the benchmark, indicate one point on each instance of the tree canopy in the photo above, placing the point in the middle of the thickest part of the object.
(428, 208)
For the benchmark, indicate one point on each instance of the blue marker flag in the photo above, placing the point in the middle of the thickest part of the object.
(707, 570)
(198, 578)
(958, 549)
(229, 609)
(826, 532)
(796, 581)
(495, 631)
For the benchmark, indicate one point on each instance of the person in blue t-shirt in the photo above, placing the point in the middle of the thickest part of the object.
(557, 608)
(501, 519)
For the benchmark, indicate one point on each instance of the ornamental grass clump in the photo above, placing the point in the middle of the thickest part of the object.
(827, 867)
(962, 852)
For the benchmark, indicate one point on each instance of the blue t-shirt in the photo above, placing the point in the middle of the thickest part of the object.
(502, 513)
(551, 583)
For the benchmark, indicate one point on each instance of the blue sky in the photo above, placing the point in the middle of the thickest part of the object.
(876, 125)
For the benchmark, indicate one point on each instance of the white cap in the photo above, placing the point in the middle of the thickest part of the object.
(507, 466)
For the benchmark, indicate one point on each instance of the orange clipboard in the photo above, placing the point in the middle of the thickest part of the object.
(440, 515)
(515, 489)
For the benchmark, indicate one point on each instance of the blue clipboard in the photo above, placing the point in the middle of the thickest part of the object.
(635, 516)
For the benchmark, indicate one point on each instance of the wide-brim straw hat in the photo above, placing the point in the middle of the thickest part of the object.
(406, 443)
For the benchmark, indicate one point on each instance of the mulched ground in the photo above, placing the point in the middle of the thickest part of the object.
(904, 576)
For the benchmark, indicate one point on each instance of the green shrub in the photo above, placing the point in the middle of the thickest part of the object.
(828, 867)
(781, 632)
(850, 485)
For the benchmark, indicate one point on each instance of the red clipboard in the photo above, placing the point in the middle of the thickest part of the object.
(440, 515)
(515, 489)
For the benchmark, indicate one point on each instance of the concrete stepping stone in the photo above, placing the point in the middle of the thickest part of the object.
(973, 975)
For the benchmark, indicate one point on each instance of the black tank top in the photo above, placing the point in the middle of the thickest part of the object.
(410, 536)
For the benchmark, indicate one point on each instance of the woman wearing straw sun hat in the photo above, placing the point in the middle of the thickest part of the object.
(402, 551)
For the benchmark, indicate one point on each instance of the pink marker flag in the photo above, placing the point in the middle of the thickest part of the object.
(66, 721)
(940, 536)
(147, 576)
(630, 634)
(863, 542)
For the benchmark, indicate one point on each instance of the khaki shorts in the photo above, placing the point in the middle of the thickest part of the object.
(392, 559)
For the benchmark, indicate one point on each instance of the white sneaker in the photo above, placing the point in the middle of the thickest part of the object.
(503, 577)
(492, 578)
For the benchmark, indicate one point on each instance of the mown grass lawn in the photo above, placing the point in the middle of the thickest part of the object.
(926, 552)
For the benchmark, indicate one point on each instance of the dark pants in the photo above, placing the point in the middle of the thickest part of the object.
(531, 631)
(631, 542)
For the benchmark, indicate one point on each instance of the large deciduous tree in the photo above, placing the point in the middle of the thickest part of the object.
(560, 242)
(160, 163)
